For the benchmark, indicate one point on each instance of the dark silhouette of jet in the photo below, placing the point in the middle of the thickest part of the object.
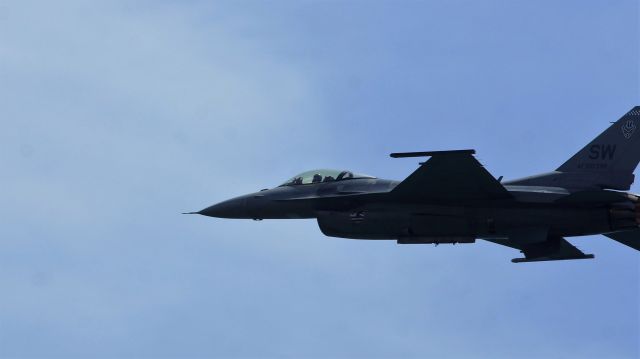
(452, 198)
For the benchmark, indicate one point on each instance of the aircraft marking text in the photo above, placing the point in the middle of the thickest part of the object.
(602, 152)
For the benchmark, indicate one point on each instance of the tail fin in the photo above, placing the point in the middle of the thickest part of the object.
(616, 149)
(606, 162)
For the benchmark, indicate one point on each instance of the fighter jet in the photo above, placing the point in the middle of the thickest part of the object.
(452, 198)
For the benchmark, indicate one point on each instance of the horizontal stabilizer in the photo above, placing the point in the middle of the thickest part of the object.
(628, 238)
(549, 248)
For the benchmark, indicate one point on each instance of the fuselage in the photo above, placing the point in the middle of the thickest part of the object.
(453, 198)
(362, 208)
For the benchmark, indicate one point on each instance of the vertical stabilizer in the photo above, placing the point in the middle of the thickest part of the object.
(615, 151)
(606, 162)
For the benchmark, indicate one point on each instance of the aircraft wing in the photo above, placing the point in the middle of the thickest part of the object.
(449, 175)
(553, 248)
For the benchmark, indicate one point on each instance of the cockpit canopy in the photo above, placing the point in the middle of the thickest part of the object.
(320, 176)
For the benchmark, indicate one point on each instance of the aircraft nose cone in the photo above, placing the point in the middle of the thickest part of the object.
(233, 208)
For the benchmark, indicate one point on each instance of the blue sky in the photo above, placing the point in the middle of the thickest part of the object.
(118, 116)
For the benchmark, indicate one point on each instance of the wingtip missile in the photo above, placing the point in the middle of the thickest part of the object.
(431, 153)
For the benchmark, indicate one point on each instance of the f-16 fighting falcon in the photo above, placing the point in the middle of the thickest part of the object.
(452, 198)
